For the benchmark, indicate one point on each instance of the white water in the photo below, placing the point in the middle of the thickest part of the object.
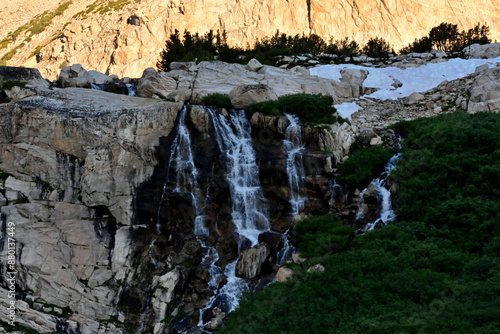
(132, 88)
(228, 296)
(387, 213)
(295, 147)
(248, 205)
(294, 144)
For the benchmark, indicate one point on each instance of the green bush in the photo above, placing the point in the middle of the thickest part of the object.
(217, 100)
(313, 109)
(321, 235)
(343, 47)
(446, 37)
(377, 48)
(364, 164)
(11, 83)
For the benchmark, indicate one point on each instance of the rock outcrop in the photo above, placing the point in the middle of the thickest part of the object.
(125, 37)
(71, 160)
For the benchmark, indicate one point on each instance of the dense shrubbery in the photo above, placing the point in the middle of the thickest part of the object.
(217, 100)
(377, 48)
(312, 109)
(446, 37)
(363, 165)
(436, 270)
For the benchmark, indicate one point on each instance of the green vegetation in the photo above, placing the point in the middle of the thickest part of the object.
(217, 100)
(311, 108)
(36, 26)
(102, 7)
(377, 48)
(11, 83)
(436, 270)
(363, 165)
(446, 37)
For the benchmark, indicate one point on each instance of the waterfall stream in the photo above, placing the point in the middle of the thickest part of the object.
(295, 147)
(248, 205)
(387, 213)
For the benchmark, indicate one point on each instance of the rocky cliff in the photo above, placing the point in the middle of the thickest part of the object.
(123, 37)
(110, 233)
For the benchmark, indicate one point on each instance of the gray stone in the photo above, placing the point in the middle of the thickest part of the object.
(245, 95)
(253, 65)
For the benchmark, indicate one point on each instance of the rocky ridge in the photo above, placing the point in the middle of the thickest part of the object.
(127, 36)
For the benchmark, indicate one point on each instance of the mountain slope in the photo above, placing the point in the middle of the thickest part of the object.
(125, 36)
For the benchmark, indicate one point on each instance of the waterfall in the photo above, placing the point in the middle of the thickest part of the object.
(186, 173)
(132, 89)
(387, 213)
(294, 145)
(248, 204)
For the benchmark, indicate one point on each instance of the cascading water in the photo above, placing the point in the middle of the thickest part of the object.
(294, 145)
(234, 138)
(387, 213)
(248, 215)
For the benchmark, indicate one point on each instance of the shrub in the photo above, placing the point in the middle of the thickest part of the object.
(217, 100)
(364, 164)
(377, 48)
(421, 45)
(444, 37)
(343, 47)
(320, 235)
(310, 108)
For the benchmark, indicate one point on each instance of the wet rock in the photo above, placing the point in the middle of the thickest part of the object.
(250, 261)
(216, 321)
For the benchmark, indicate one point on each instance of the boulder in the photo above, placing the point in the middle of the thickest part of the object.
(318, 268)
(353, 76)
(99, 78)
(253, 65)
(201, 119)
(74, 76)
(485, 51)
(245, 95)
(298, 259)
(154, 84)
(413, 98)
(250, 261)
(22, 75)
(376, 141)
(284, 274)
(187, 66)
(365, 136)
(485, 92)
(216, 321)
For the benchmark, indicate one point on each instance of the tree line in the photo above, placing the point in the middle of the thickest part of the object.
(213, 45)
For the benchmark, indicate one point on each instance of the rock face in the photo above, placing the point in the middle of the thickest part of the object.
(126, 39)
(71, 160)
